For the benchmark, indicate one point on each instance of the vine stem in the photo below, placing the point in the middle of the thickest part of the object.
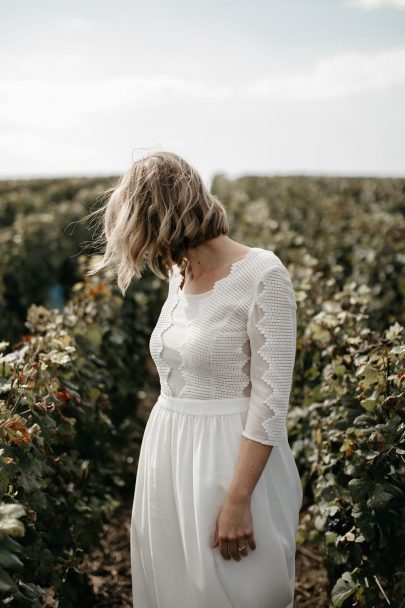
(381, 589)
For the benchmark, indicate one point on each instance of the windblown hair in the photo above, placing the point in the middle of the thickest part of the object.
(159, 208)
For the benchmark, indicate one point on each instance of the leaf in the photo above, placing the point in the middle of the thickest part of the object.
(28, 482)
(394, 331)
(343, 589)
(379, 499)
(369, 404)
(359, 489)
(9, 560)
(12, 545)
(398, 350)
(340, 370)
(7, 584)
(9, 524)
(11, 510)
(330, 538)
(60, 358)
(4, 481)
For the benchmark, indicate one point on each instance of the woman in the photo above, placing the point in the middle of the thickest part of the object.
(217, 493)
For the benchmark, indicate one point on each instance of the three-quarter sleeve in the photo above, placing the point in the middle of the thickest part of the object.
(272, 331)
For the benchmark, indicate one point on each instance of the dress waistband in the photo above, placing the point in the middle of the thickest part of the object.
(204, 407)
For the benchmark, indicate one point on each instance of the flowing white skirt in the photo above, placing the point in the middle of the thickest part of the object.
(187, 461)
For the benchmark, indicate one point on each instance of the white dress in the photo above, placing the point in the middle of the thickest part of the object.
(225, 360)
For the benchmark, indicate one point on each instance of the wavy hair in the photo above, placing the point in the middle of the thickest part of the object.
(158, 209)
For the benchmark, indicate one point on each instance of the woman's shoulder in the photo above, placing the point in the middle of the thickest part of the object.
(267, 260)
(274, 274)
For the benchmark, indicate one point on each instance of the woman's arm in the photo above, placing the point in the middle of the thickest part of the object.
(272, 334)
(234, 524)
(253, 458)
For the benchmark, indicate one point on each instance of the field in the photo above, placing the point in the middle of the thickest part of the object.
(77, 384)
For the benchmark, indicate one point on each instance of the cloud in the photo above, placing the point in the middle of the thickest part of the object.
(81, 24)
(338, 76)
(41, 103)
(50, 102)
(375, 4)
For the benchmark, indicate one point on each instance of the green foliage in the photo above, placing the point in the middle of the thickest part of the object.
(11, 553)
(347, 231)
(68, 430)
(40, 240)
(354, 460)
(63, 467)
(342, 240)
(347, 428)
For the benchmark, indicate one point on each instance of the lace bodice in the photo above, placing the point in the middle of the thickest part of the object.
(186, 309)
(238, 339)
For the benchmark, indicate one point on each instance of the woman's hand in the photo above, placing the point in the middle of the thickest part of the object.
(234, 528)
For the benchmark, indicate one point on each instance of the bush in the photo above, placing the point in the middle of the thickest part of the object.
(68, 446)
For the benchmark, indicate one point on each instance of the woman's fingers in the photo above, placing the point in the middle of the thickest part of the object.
(215, 541)
(250, 539)
(229, 548)
(243, 543)
(233, 549)
(223, 548)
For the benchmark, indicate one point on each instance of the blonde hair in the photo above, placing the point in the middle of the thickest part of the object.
(159, 208)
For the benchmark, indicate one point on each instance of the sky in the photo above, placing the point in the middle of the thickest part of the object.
(287, 87)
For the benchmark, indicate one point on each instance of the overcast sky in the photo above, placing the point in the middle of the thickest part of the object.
(243, 86)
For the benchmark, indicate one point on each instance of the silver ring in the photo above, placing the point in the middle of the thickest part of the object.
(241, 548)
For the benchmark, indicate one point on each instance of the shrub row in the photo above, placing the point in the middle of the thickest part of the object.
(69, 438)
(341, 239)
(348, 431)
(40, 239)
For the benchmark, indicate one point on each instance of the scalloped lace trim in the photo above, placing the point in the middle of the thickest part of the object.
(263, 325)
